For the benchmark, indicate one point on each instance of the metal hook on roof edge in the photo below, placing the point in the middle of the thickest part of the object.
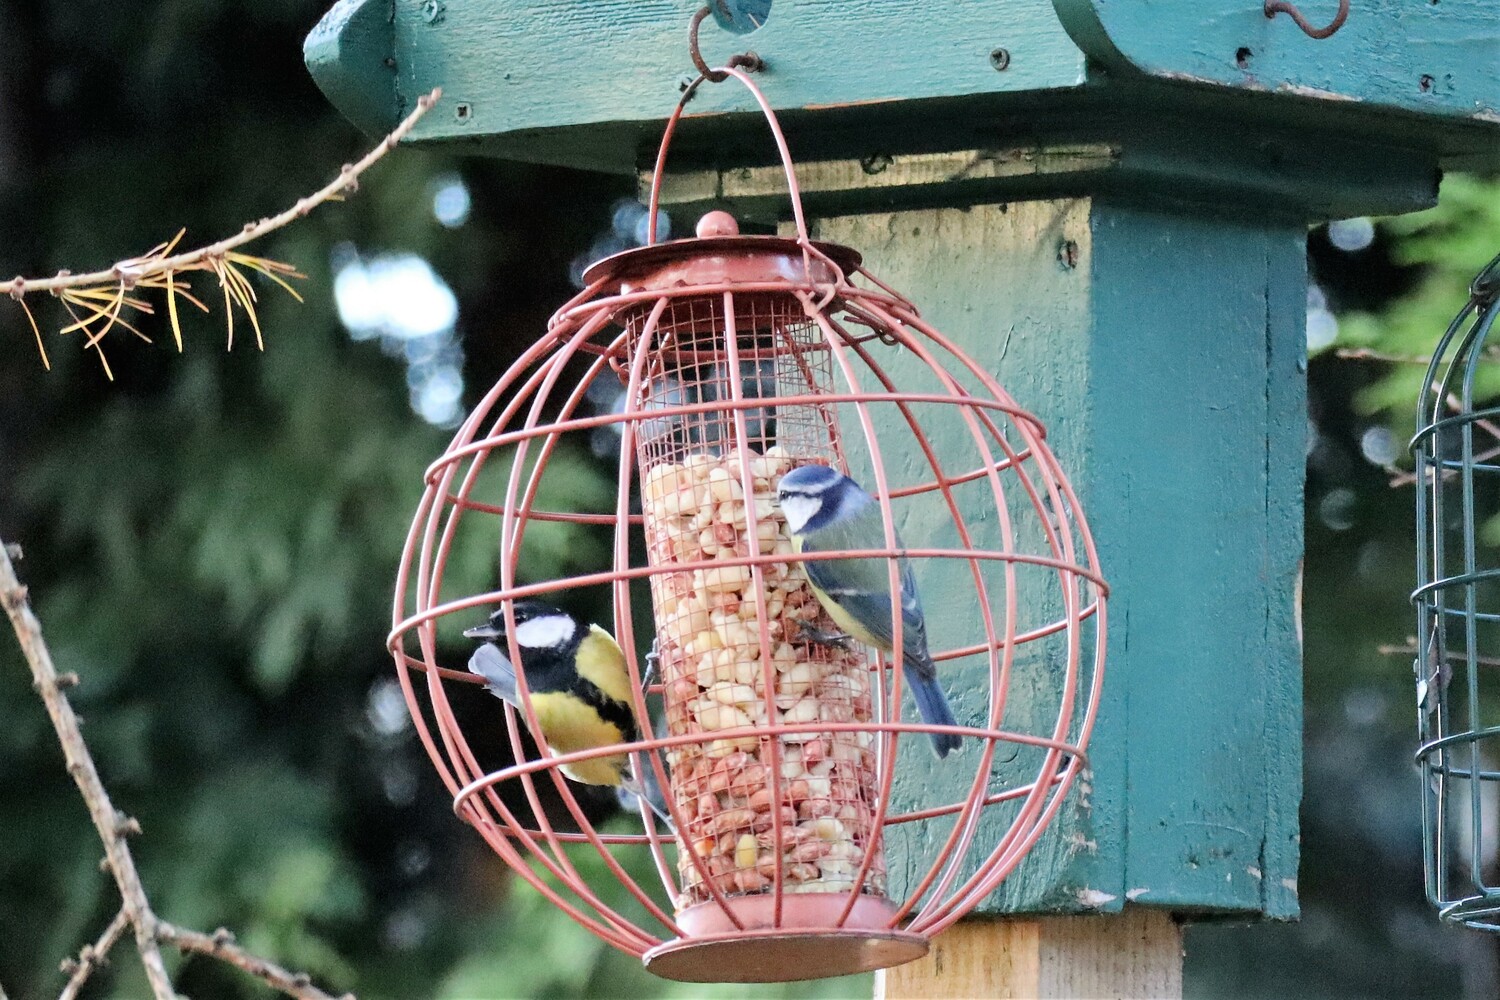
(748, 61)
(1274, 7)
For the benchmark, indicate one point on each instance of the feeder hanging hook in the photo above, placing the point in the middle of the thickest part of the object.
(748, 61)
(1274, 7)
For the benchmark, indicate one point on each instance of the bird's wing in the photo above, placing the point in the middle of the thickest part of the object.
(862, 586)
(498, 673)
(914, 624)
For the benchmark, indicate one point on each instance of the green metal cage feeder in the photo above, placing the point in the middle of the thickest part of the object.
(1457, 452)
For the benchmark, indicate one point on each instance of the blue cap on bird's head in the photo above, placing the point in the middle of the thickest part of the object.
(809, 480)
(813, 495)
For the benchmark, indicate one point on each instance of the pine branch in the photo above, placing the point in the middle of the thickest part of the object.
(114, 827)
(97, 301)
(92, 956)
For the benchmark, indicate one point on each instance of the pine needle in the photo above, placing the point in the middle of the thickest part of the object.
(172, 310)
(41, 348)
(97, 302)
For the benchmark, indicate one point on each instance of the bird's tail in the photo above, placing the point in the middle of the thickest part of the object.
(646, 788)
(933, 706)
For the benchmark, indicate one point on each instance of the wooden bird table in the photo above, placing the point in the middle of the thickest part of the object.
(1106, 202)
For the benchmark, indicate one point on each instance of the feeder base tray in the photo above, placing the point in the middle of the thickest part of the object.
(808, 944)
(782, 956)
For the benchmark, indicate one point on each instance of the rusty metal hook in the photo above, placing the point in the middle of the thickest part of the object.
(748, 61)
(1274, 7)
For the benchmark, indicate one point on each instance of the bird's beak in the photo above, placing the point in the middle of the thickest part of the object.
(485, 631)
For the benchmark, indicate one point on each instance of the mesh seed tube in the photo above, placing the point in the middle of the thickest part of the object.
(796, 806)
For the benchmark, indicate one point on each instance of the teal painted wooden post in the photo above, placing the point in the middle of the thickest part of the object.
(1165, 352)
(1103, 200)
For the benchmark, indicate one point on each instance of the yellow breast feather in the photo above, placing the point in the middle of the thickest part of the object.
(845, 621)
(569, 724)
(602, 663)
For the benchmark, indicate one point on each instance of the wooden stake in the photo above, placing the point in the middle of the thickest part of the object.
(1136, 955)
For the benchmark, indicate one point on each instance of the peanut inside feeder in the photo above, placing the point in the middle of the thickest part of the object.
(733, 654)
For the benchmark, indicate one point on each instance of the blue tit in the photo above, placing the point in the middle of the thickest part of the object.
(827, 511)
(580, 690)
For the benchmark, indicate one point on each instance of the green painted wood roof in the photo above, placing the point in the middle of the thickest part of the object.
(587, 82)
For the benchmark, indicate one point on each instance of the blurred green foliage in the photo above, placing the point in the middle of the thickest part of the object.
(1449, 243)
(211, 541)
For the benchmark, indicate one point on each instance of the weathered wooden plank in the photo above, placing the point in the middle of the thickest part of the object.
(1286, 464)
(1165, 362)
(915, 180)
(996, 286)
(348, 53)
(1291, 174)
(1426, 57)
(526, 64)
(1194, 393)
(586, 83)
(1135, 954)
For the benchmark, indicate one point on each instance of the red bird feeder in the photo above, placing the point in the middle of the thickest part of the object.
(742, 358)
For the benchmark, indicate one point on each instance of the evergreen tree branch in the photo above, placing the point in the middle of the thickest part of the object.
(92, 956)
(96, 300)
(114, 827)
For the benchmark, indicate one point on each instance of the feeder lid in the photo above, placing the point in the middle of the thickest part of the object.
(718, 255)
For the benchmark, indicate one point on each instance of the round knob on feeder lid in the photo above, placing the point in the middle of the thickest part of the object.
(722, 254)
(717, 223)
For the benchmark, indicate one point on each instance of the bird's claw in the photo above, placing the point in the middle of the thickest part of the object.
(822, 637)
(653, 661)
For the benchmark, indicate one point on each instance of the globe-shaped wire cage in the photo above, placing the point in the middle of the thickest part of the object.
(814, 833)
(1457, 663)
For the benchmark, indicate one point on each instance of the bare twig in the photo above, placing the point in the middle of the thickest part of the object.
(346, 182)
(221, 945)
(96, 300)
(110, 824)
(92, 956)
(1488, 426)
(1369, 354)
(1410, 649)
(114, 827)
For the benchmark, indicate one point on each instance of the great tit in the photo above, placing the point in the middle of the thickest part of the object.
(580, 690)
(825, 510)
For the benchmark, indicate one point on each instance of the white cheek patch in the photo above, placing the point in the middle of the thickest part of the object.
(545, 633)
(799, 510)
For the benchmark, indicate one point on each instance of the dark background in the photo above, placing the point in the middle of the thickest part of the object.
(210, 541)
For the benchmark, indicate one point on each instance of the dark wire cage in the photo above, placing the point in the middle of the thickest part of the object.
(1457, 664)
